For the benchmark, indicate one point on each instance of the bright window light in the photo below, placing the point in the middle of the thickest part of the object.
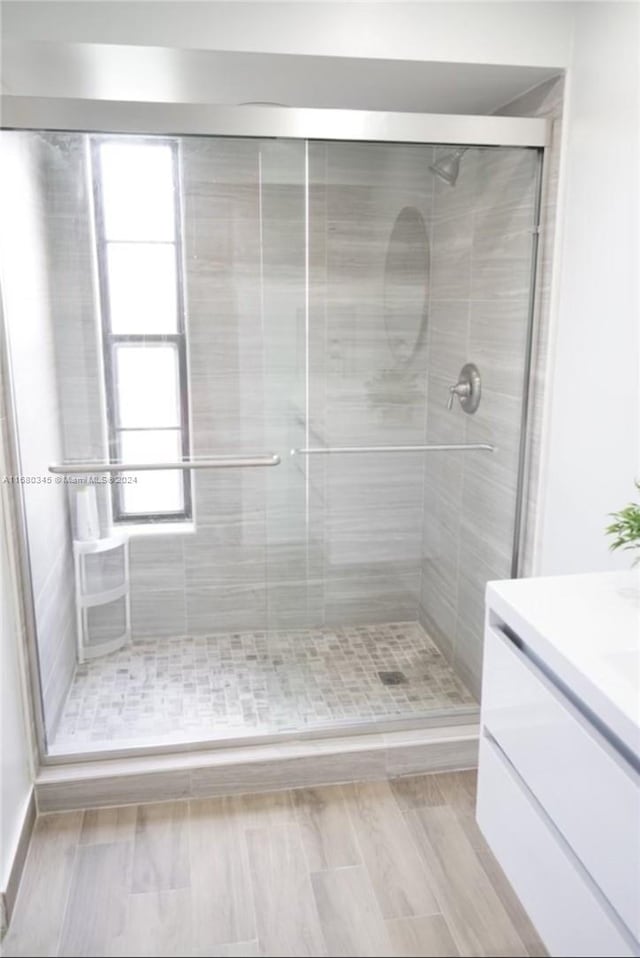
(143, 295)
(147, 386)
(153, 492)
(137, 191)
(139, 258)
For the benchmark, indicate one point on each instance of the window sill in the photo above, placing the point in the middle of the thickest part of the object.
(133, 529)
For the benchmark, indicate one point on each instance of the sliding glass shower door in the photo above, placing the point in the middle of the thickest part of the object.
(269, 512)
(410, 494)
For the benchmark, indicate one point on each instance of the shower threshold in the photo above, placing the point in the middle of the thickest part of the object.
(260, 686)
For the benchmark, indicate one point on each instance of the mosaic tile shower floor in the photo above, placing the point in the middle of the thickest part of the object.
(257, 682)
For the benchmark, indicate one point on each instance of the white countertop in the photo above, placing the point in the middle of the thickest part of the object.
(586, 629)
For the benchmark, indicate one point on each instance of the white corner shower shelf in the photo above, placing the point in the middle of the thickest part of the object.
(102, 583)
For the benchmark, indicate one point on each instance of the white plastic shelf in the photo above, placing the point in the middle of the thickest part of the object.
(91, 598)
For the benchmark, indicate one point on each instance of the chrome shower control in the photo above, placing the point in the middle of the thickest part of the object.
(467, 389)
(462, 390)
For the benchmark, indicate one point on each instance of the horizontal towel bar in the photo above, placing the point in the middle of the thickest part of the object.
(216, 462)
(434, 447)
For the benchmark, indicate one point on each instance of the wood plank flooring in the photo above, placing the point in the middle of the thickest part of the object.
(381, 868)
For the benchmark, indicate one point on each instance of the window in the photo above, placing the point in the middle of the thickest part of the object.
(137, 204)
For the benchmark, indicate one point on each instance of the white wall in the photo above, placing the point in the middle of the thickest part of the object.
(532, 33)
(592, 455)
(15, 752)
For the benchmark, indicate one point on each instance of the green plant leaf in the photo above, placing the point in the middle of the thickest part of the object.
(626, 527)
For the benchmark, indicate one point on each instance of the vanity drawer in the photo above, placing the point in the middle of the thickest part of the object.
(587, 789)
(569, 912)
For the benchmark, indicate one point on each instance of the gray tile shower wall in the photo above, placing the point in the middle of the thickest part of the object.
(469, 504)
(29, 305)
(481, 259)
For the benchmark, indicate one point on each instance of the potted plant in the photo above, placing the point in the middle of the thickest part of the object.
(626, 527)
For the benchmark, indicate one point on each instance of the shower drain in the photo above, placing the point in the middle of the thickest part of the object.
(393, 678)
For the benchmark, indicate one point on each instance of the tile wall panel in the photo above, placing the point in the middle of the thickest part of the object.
(482, 245)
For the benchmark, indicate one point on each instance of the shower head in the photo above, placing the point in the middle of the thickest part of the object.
(448, 166)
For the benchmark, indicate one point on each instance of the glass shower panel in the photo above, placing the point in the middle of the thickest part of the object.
(224, 559)
(351, 629)
(378, 552)
(291, 549)
(244, 252)
(146, 361)
(44, 253)
(369, 206)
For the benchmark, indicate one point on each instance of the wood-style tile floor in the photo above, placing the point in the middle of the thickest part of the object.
(382, 868)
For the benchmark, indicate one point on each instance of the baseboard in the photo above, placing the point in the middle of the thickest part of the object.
(258, 768)
(10, 893)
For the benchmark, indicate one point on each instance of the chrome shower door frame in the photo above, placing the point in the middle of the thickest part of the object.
(188, 119)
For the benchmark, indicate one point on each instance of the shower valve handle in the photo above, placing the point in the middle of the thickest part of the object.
(461, 389)
(467, 389)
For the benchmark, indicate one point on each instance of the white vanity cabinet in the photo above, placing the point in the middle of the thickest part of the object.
(559, 779)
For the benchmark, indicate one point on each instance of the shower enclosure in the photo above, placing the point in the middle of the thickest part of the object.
(290, 376)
